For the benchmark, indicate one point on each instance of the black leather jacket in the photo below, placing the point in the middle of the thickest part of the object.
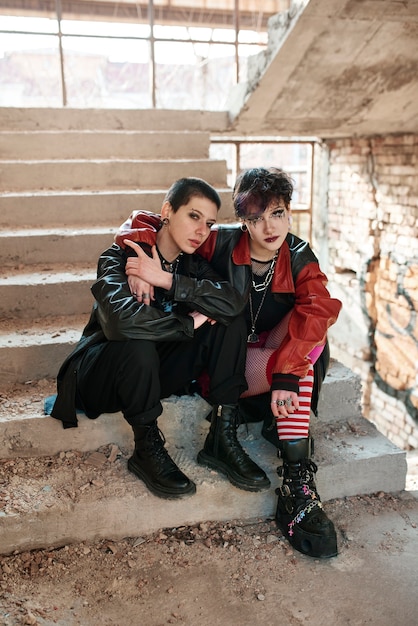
(298, 285)
(117, 316)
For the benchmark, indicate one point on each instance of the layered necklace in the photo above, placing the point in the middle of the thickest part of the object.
(258, 268)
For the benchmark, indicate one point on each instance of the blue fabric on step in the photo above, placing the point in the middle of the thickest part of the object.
(49, 404)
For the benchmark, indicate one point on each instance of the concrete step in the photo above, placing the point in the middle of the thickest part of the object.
(340, 396)
(25, 431)
(94, 144)
(35, 350)
(84, 208)
(76, 496)
(106, 173)
(59, 245)
(16, 118)
(48, 291)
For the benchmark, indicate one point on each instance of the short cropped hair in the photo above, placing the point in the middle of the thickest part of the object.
(184, 189)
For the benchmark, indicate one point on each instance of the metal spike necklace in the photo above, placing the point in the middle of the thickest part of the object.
(166, 265)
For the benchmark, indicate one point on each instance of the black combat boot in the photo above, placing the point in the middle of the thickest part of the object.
(222, 451)
(152, 464)
(299, 513)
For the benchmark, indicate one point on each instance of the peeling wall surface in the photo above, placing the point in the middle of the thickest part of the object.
(373, 266)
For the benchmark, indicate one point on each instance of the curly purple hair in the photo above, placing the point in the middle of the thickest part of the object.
(257, 187)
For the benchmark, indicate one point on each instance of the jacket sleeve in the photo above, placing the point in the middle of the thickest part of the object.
(121, 316)
(207, 249)
(140, 226)
(205, 291)
(313, 313)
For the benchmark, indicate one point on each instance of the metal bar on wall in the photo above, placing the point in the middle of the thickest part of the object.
(311, 199)
(58, 9)
(236, 24)
(152, 53)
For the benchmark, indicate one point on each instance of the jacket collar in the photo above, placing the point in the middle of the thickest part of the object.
(282, 280)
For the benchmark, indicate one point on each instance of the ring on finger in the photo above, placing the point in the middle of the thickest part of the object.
(280, 402)
(289, 402)
(134, 294)
(145, 295)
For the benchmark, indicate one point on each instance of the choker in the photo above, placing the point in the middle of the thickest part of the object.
(168, 266)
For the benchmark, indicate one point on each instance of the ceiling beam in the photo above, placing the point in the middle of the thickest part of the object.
(135, 12)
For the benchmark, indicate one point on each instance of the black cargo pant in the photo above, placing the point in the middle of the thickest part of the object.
(133, 376)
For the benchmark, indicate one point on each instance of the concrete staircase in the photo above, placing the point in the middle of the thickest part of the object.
(68, 178)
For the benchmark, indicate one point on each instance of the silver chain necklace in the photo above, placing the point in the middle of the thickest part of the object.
(261, 286)
(253, 337)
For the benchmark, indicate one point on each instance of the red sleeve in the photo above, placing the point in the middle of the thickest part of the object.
(141, 226)
(207, 249)
(313, 313)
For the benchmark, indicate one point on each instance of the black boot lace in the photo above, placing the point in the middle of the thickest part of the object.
(299, 485)
(234, 444)
(155, 445)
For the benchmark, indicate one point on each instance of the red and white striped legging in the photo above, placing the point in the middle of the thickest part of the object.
(258, 366)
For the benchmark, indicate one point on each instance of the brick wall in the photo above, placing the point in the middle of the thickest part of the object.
(372, 230)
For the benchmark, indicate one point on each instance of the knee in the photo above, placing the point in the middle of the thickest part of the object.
(138, 353)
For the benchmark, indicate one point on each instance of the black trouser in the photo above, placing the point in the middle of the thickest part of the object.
(132, 376)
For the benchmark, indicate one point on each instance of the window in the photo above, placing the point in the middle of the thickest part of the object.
(136, 63)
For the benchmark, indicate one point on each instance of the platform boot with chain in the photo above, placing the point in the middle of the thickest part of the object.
(222, 451)
(152, 464)
(299, 513)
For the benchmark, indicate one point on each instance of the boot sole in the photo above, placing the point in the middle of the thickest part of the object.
(235, 479)
(311, 545)
(160, 490)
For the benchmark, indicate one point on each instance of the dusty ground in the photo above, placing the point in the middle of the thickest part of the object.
(225, 574)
